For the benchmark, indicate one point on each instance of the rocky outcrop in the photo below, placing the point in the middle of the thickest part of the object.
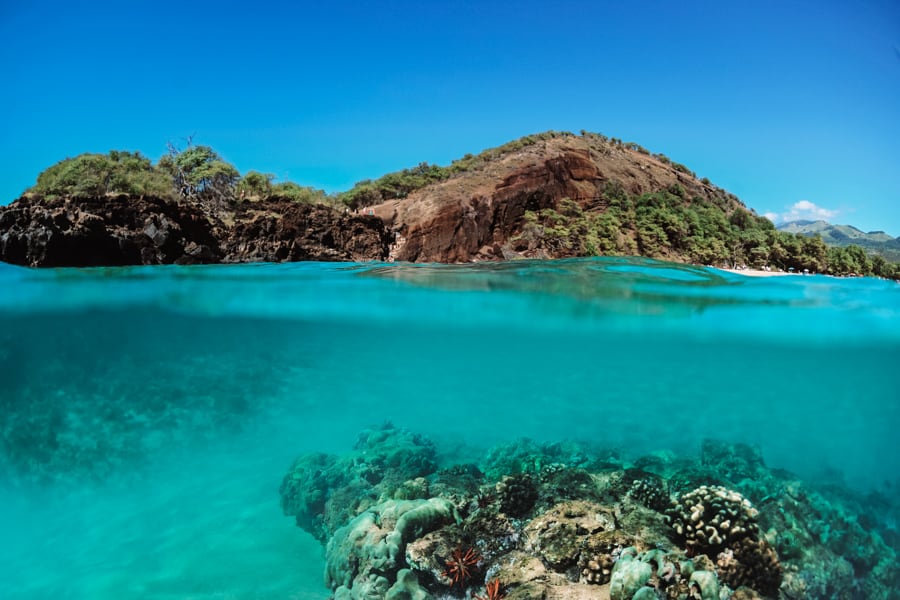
(104, 232)
(288, 231)
(456, 229)
(476, 215)
(123, 230)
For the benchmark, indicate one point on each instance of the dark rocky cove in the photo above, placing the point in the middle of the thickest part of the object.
(127, 230)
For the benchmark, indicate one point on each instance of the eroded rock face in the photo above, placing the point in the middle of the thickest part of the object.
(104, 232)
(445, 224)
(122, 230)
(479, 214)
(289, 231)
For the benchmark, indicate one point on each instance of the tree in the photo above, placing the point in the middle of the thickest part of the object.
(881, 267)
(288, 190)
(255, 186)
(753, 247)
(813, 254)
(200, 175)
(849, 260)
(741, 219)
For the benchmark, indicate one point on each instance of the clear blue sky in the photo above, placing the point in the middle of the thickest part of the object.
(785, 103)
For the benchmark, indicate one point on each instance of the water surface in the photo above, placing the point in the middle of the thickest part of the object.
(149, 413)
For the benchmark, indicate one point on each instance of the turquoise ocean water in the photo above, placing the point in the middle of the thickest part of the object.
(149, 414)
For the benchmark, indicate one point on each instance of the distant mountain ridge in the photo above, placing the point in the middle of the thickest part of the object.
(875, 242)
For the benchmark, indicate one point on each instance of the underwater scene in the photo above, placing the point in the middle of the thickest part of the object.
(587, 428)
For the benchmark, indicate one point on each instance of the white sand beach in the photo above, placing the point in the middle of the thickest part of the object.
(757, 272)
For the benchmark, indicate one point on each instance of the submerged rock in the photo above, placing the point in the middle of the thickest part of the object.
(559, 535)
(364, 557)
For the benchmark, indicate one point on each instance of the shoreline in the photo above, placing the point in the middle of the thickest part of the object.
(756, 272)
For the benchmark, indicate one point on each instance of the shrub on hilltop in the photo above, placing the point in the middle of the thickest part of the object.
(256, 186)
(98, 175)
(196, 174)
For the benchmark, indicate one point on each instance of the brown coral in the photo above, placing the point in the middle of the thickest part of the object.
(596, 568)
(711, 518)
(751, 563)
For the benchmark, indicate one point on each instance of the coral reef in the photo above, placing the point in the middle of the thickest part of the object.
(710, 518)
(629, 575)
(323, 492)
(647, 489)
(73, 415)
(524, 523)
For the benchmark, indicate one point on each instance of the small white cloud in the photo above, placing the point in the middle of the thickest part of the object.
(804, 210)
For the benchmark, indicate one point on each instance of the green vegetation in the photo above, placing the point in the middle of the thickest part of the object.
(288, 190)
(199, 174)
(853, 260)
(666, 225)
(573, 232)
(393, 185)
(92, 175)
(196, 174)
(256, 186)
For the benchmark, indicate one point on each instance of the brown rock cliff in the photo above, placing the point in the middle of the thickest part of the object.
(474, 215)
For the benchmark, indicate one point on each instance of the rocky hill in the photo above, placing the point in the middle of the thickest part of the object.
(480, 214)
(875, 242)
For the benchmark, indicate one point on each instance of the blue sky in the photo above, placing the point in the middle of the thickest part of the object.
(793, 106)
